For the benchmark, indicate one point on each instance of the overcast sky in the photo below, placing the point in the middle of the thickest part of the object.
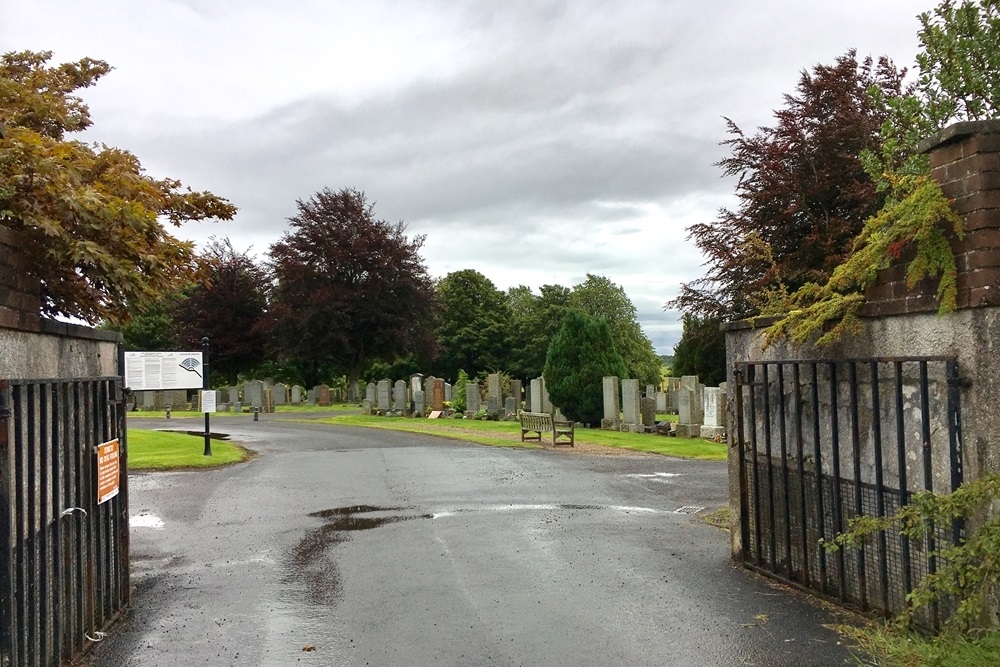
(534, 141)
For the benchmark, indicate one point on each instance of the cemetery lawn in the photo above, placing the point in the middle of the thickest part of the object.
(158, 450)
(508, 434)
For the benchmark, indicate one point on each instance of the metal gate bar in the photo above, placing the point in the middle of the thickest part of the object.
(64, 558)
(839, 469)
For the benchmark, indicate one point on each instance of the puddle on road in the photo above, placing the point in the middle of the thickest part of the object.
(311, 565)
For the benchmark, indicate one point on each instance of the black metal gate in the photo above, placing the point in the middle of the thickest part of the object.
(64, 575)
(821, 442)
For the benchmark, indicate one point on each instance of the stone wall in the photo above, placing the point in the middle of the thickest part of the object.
(901, 322)
(35, 348)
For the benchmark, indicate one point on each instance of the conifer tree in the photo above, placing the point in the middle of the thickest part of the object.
(580, 355)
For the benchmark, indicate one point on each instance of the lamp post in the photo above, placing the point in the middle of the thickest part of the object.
(206, 385)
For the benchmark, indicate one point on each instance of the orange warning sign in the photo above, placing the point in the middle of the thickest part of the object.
(108, 471)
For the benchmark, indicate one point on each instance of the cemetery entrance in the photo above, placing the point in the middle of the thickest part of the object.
(820, 442)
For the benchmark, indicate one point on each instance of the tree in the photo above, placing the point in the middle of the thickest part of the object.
(151, 326)
(458, 397)
(348, 288)
(534, 321)
(228, 306)
(90, 213)
(599, 297)
(803, 191)
(474, 317)
(960, 60)
(701, 351)
(579, 358)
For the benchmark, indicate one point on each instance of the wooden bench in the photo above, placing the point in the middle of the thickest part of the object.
(542, 422)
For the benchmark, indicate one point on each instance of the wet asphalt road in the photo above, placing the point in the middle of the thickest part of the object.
(343, 546)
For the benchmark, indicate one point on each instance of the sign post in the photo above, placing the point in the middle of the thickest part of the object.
(207, 406)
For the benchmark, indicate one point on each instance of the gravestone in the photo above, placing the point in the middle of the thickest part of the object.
(296, 395)
(180, 399)
(648, 408)
(419, 409)
(353, 392)
(222, 395)
(510, 406)
(447, 392)
(493, 405)
(493, 390)
(536, 395)
(371, 392)
(546, 403)
(527, 397)
(237, 406)
(650, 390)
(234, 394)
(515, 392)
(253, 393)
(713, 422)
(673, 384)
(323, 395)
(280, 393)
(631, 410)
(612, 409)
(311, 397)
(416, 383)
(437, 394)
(384, 393)
(366, 407)
(689, 423)
(399, 396)
(661, 401)
(472, 400)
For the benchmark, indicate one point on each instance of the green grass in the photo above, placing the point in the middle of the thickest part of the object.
(664, 417)
(159, 450)
(887, 646)
(484, 432)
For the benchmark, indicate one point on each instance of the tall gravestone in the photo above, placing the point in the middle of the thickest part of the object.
(399, 396)
(713, 422)
(650, 390)
(493, 406)
(416, 383)
(536, 395)
(472, 400)
(371, 393)
(661, 401)
(437, 395)
(353, 392)
(515, 392)
(612, 407)
(546, 402)
(296, 394)
(280, 393)
(419, 409)
(494, 397)
(383, 394)
(447, 392)
(648, 408)
(510, 406)
(366, 407)
(631, 409)
(253, 393)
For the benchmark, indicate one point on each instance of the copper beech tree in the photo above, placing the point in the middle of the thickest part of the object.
(89, 218)
(349, 288)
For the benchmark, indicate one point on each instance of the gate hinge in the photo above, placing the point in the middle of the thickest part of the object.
(964, 383)
(5, 413)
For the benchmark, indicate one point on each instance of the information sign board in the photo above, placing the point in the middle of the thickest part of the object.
(146, 371)
(108, 471)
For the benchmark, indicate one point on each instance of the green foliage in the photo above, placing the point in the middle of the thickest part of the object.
(151, 327)
(959, 60)
(458, 398)
(580, 355)
(534, 321)
(701, 351)
(916, 218)
(90, 214)
(598, 297)
(890, 646)
(969, 571)
(473, 325)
